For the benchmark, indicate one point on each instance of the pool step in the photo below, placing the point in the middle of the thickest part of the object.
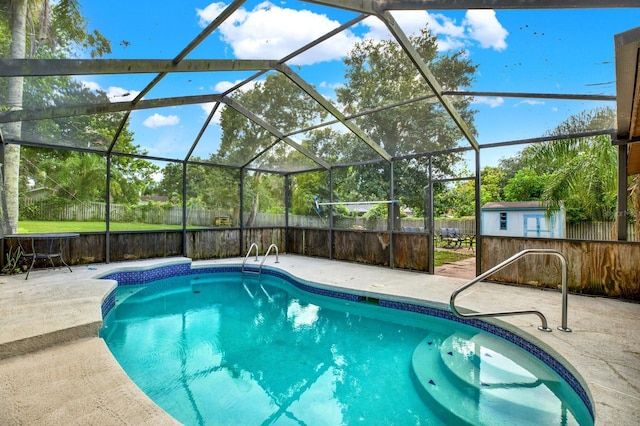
(471, 379)
(435, 388)
(482, 360)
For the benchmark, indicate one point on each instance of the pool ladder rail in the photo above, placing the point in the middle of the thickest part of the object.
(500, 266)
(259, 271)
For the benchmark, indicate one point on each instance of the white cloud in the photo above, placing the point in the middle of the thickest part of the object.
(442, 25)
(413, 21)
(529, 102)
(207, 110)
(209, 13)
(223, 86)
(272, 32)
(479, 26)
(91, 85)
(115, 94)
(269, 31)
(491, 102)
(332, 86)
(483, 27)
(157, 120)
(118, 94)
(450, 43)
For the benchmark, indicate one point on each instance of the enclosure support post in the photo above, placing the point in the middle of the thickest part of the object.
(3, 199)
(430, 230)
(331, 236)
(184, 209)
(241, 214)
(391, 213)
(478, 217)
(107, 214)
(622, 193)
(287, 202)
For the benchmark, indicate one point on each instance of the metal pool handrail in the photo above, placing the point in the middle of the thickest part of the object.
(507, 262)
(267, 254)
(248, 254)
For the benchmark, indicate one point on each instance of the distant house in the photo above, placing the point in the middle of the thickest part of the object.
(522, 219)
(37, 194)
(359, 209)
(146, 199)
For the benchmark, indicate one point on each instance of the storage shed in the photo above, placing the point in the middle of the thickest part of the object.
(523, 219)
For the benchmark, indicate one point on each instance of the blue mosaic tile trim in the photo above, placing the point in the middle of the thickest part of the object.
(149, 275)
(221, 269)
(296, 283)
(315, 290)
(108, 303)
(505, 334)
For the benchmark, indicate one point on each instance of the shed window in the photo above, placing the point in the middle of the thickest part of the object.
(503, 220)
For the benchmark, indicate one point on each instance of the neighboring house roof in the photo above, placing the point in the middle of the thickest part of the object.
(39, 193)
(515, 205)
(359, 208)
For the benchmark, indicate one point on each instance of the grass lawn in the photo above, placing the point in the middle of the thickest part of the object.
(38, 226)
(445, 256)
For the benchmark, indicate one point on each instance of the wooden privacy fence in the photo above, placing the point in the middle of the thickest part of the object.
(96, 211)
(593, 267)
(597, 231)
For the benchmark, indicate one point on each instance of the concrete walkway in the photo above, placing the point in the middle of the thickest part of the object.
(55, 370)
(461, 269)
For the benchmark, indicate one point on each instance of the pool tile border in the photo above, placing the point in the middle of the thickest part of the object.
(151, 274)
(522, 343)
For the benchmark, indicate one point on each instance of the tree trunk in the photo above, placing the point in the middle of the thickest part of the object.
(251, 220)
(14, 102)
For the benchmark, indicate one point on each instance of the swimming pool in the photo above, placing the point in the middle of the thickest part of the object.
(218, 347)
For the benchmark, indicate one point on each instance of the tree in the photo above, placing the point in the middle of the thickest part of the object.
(460, 199)
(491, 185)
(304, 188)
(76, 175)
(18, 13)
(526, 185)
(54, 32)
(380, 74)
(280, 104)
(583, 171)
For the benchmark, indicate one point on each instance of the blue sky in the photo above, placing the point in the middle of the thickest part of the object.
(540, 51)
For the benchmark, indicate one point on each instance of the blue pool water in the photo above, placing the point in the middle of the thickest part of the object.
(230, 349)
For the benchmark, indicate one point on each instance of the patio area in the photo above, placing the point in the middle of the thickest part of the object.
(55, 370)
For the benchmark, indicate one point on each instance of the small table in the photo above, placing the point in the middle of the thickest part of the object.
(43, 246)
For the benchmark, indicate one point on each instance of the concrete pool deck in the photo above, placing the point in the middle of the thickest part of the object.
(54, 369)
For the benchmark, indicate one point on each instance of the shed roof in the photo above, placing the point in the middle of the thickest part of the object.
(515, 205)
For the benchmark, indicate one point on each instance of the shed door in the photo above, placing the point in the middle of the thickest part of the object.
(536, 225)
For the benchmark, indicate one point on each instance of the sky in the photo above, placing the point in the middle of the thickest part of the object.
(539, 51)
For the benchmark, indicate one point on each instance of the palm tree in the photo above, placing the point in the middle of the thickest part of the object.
(18, 10)
(584, 170)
